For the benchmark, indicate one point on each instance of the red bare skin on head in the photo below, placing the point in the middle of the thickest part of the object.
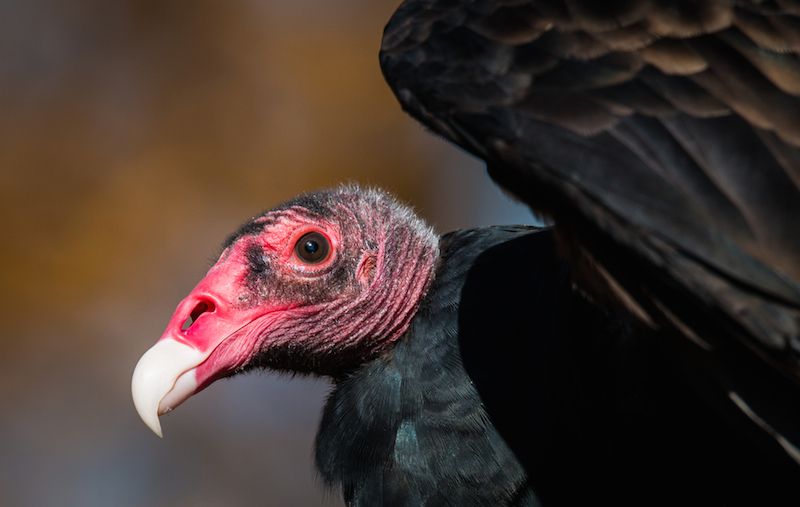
(272, 300)
(366, 269)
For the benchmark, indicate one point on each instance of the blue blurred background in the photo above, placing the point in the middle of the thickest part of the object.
(134, 136)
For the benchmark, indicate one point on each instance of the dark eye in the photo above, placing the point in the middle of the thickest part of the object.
(312, 248)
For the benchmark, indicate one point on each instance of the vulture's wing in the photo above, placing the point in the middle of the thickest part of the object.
(663, 137)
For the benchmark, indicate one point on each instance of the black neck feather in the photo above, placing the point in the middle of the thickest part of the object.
(509, 381)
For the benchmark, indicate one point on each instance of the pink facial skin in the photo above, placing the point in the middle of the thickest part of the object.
(264, 305)
(221, 306)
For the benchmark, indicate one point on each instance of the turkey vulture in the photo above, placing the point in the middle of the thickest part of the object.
(643, 351)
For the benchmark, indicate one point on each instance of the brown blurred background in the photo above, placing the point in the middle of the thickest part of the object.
(134, 135)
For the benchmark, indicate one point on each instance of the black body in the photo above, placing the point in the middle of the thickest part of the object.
(663, 138)
(511, 381)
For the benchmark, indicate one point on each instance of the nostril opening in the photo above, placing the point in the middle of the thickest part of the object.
(199, 309)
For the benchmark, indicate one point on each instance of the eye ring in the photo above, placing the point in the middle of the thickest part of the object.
(312, 248)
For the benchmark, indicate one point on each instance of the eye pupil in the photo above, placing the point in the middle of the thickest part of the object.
(312, 248)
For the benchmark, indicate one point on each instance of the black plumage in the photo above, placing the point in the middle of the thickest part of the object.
(664, 140)
(513, 388)
(645, 351)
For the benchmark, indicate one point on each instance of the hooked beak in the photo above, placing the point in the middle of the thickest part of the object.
(163, 378)
(178, 365)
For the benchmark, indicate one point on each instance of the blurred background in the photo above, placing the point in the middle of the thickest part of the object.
(134, 136)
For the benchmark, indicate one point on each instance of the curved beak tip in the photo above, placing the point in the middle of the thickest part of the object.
(146, 395)
(155, 425)
(153, 384)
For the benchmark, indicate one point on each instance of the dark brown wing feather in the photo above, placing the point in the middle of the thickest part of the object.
(664, 139)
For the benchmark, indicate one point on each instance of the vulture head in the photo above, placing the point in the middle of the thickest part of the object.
(320, 284)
